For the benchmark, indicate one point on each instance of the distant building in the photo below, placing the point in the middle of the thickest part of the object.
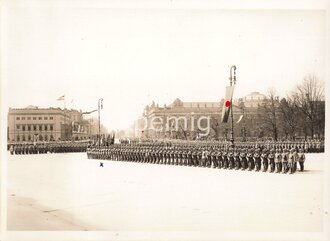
(179, 119)
(46, 124)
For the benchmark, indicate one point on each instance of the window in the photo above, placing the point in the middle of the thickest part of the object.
(29, 137)
(46, 138)
(23, 118)
(34, 118)
(23, 138)
(29, 118)
(51, 138)
(39, 118)
(17, 127)
(23, 127)
(34, 127)
(51, 118)
(17, 138)
(45, 127)
(45, 118)
(29, 127)
(40, 127)
(51, 127)
(17, 118)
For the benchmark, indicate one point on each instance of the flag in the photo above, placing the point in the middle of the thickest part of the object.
(227, 104)
(89, 112)
(61, 97)
(239, 120)
(35, 139)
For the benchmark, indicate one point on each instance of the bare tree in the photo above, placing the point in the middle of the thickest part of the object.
(268, 114)
(289, 114)
(309, 99)
(215, 125)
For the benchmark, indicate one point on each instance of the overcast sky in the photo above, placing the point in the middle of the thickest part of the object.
(130, 57)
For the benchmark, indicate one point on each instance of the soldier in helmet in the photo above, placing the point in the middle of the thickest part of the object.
(301, 159)
(257, 159)
(278, 160)
(250, 159)
(199, 157)
(243, 160)
(219, 158)
(214, 158)
(231, 158)
(195, 157)
(11, 150)
(271, 157)
(285, 157)
(237, 161)
(185, 157)
(203, 159)
(291, 161)
(264, 157)
(189, 157)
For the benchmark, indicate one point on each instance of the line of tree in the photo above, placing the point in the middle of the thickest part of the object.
(300, 114)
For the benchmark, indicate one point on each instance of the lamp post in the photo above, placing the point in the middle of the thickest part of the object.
(90, 126)
(232, 79)
(100, 106)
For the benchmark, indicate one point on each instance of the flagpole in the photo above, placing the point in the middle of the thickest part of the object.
(100, 106)
(232, 80)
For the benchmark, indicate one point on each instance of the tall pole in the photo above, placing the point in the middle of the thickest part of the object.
(232, 80)
(100, 106)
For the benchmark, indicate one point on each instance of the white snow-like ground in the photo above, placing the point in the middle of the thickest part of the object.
(70, 192)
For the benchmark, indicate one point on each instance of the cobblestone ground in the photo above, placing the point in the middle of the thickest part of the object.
(70, 192)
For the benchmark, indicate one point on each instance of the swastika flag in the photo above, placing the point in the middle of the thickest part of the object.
(227, 104)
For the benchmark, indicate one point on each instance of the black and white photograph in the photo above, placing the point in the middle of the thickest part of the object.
(164, 120)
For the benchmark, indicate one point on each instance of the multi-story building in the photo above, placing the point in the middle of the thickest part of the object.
(45, 124)
(188, 120)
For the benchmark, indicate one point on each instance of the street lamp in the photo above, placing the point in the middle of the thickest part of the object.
(90, 126)
(100, 106)
(232, 79)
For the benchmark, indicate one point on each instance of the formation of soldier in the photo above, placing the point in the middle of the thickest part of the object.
(44, 148)
(274, 158)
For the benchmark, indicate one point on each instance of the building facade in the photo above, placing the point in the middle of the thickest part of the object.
(45, 124)
(193, 120)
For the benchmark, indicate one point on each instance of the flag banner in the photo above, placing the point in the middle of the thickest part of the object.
(35, 139)
(89, 112)
(61, 97)
(239, 120)
(227, 105)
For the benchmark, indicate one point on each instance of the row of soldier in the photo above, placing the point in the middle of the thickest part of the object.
(259, 159)
(44, 148)
(308, 146)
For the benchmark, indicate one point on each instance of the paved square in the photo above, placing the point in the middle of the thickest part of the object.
(69, 192)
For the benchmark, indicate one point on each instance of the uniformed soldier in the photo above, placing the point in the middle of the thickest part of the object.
(264, 157)
(291, 161)
(237, 159)
(225, 159)
(214, 158)
(11, 150)
(285, 157)
(231, 159)
(220, 159)
(243, 159)
(271, 157)
(190, 158)
(301, 159)
(250, 157)
(195, 157)
(257, 159)
(203, 159)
